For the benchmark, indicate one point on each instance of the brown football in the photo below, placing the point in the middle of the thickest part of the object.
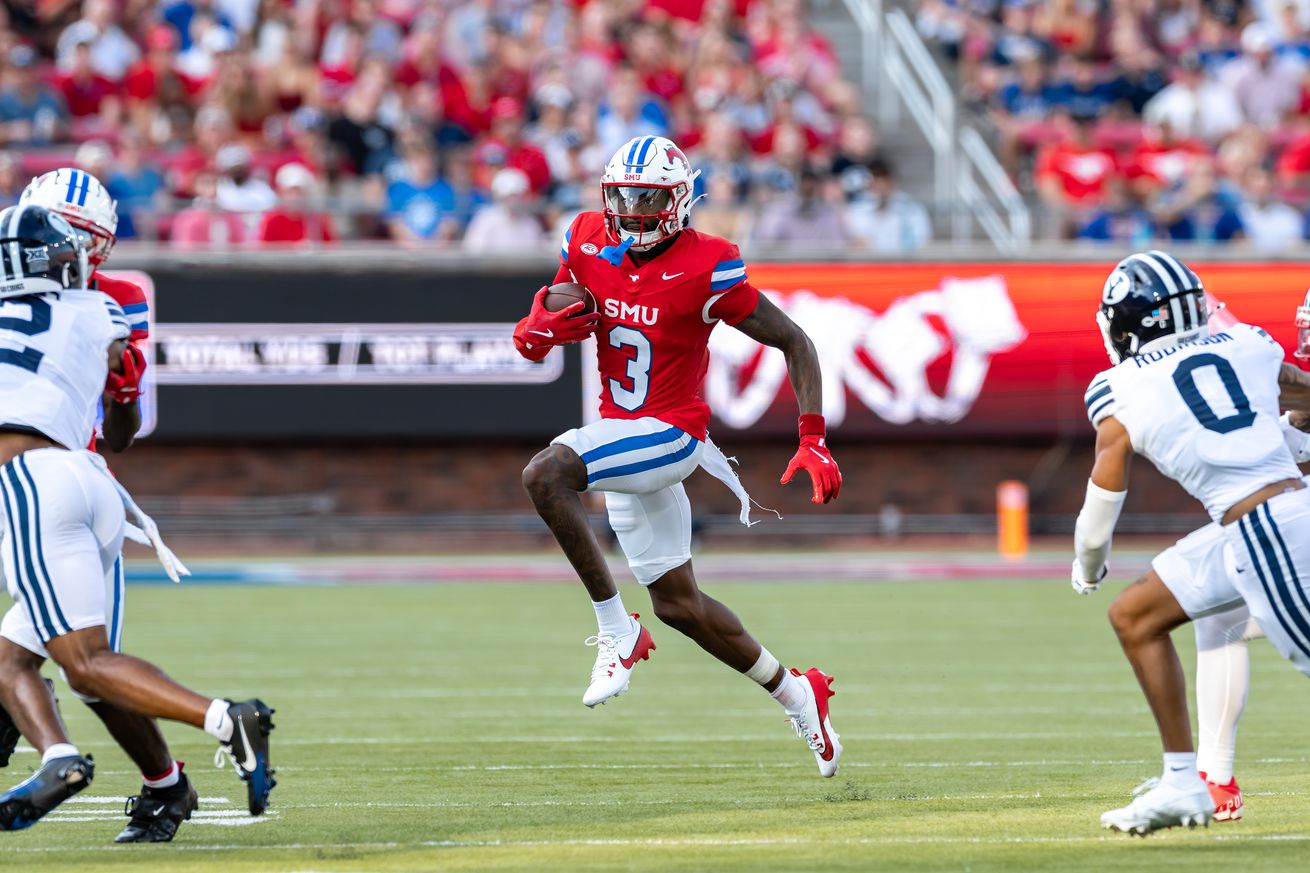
(565, 294)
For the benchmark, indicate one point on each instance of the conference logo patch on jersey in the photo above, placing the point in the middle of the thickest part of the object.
(589, 248)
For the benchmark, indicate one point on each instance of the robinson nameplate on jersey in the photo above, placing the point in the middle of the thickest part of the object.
(336, 354)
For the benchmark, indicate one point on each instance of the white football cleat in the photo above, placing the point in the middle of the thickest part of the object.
(1160, 806)
(615, 658)
(811, 722)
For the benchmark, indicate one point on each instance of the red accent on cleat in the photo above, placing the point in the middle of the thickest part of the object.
(822, 684)
(1227, 800)
(641, 650)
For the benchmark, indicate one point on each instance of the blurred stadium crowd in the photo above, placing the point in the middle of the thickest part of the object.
(293, 122)
(1132, 120)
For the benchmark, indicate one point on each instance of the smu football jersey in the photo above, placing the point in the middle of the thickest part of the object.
(1205, 413)
(53, 361)
(656, 318)
(130, 296)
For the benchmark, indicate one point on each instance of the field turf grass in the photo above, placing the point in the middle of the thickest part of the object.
(987, 725)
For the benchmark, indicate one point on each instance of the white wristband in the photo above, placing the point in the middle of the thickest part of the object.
(1094, 529)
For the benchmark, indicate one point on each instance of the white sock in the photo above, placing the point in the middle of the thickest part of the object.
(218, 724)
(611, 617)
(170, 778)
(1180, 769)
(59, 750)
(1223, 678)
(791, 692)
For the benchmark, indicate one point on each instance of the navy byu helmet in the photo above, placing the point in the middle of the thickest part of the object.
(40, 252)
(1151, 300)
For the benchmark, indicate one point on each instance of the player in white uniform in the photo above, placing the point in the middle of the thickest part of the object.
(1223, 667)
(167, 797)
(64, 521)
(1204, 408)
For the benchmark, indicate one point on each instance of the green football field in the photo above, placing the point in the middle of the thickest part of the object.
(987, 725)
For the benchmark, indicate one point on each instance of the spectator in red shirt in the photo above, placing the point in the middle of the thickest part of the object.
(86, 92)
(424, 63)
(1071, 175)
(1163, 158)
(649, 52)
(505, 147)
(292, 222)
(203, 225)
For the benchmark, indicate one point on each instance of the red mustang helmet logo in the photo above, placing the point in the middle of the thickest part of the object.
(673, 153)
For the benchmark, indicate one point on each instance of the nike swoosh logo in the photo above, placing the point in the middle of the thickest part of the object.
(820, 456)
(1176, 769)
(546, 333)
(668, 276)
(157, 812)
(250, 763)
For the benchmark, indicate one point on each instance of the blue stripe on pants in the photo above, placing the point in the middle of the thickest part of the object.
(40, 547)
(28, 596)
(1274, 601)
(643, 466)
(1295, 582)
(23, 547)
(633, 443)
(115, 614)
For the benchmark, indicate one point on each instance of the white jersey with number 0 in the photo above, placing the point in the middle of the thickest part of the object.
(1205, 413)
(54, 361)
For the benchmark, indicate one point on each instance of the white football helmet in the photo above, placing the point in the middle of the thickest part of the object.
(647, 191)
(79, 197)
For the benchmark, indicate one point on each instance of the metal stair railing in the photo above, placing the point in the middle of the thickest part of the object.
(967, 178)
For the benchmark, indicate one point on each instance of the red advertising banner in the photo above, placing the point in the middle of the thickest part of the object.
(967, 350)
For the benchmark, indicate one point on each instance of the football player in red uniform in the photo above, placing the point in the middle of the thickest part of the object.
(167, 796)
(661, 287)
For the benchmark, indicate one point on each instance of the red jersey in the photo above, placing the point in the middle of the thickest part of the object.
(131, 297)
(656, 318)
(1082, 172)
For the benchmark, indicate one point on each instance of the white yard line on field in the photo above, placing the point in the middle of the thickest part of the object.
(673, 843)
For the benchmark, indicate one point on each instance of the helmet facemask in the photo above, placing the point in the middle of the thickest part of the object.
(97, 242)
(647, 213)
(1303, 332)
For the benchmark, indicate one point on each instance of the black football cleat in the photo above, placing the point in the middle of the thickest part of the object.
(252, 720)
(23, 805)
(157, 813)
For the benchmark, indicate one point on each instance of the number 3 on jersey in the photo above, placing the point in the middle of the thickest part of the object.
(36, 322)
(631, 399)
(1185, 379)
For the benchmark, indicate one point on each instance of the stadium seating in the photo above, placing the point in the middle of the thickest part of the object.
(401, 114)
(1183, 122)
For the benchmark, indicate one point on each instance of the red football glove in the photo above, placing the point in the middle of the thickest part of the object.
(125, 387)
(542, 330)
(814, 458)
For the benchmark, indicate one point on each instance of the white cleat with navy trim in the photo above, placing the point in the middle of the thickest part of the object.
(1157, 806)
(811, 721)
(616, 655)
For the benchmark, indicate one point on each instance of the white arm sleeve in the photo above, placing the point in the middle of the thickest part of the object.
(1095, 527)
(1297, 441)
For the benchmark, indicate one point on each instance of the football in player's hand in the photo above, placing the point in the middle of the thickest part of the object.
(565, 294)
